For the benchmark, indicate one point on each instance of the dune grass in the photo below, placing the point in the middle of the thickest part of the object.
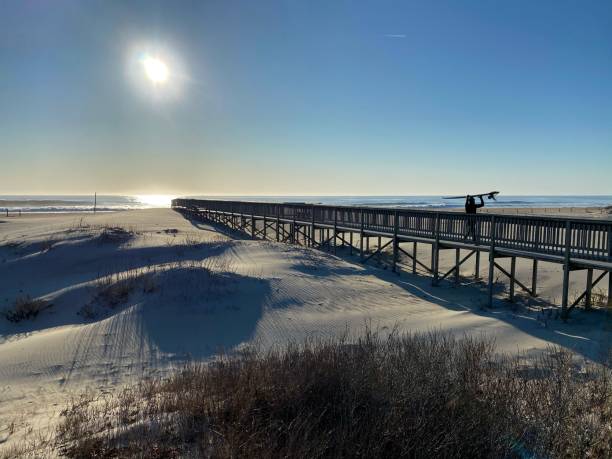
(25, 307)
(403, 396)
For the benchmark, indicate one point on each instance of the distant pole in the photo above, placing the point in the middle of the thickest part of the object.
(95, 201)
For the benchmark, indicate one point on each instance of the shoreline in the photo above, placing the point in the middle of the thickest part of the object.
(574, 212)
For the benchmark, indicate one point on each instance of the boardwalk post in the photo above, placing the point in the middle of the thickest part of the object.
(277, 223)
(566, 269)
(253, 226)
(265, 228)
(610, 272)
(395, 241)
(414, 257)
(587, 300)
(534, 278)
(512, 275)
(477, 265)
(312, 226)
(294, 234)
(491, 260)
(534, 268)
(361, 234)
(457, 267)
(435, 254)
(335, 228)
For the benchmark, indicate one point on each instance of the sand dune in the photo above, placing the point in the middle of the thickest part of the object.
(195, 290)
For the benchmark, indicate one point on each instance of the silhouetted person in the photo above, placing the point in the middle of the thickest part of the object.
(471, 208)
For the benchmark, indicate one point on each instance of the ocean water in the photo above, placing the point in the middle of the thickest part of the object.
(108, 203)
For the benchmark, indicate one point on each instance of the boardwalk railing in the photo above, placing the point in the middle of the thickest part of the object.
(577, 243)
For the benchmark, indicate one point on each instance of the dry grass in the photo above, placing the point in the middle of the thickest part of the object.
(115, 234)
(25, 307)
(405, 396)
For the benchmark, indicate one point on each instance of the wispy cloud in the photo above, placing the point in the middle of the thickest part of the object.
(395, 35)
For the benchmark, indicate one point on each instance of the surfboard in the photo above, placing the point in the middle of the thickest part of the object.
(489, 195)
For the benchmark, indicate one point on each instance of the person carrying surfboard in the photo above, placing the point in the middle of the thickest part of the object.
(471, 208)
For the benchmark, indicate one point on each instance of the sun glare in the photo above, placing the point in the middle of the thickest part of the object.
(155, 200)
(155, 69)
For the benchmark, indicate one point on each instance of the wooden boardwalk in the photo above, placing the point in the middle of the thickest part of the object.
(574, 243)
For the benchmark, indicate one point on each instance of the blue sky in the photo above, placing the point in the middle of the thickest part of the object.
(307, 97)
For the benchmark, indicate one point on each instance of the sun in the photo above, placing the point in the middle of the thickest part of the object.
(155, 69)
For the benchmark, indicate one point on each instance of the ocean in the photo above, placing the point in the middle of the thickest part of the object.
(108, 203)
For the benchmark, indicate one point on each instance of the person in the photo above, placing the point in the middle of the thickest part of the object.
(470, 208)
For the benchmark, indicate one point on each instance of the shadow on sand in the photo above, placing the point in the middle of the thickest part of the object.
(582, 334)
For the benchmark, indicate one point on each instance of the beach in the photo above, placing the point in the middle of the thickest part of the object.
(193, 290)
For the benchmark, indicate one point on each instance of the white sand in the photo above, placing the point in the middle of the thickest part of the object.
(270, 294)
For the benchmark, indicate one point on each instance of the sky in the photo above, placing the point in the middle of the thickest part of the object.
(306, 97)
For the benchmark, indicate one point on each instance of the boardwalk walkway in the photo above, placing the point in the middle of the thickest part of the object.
(574, 243)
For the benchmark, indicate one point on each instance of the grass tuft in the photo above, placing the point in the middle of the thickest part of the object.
(25, 307)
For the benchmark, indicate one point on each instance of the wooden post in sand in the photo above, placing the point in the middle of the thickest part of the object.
(312, 227)
(277, 223)
(457, 267)
(335, 228)
(610, 272)
(587, 299)
(491, 260)
(566, 269)
(414, 257)
(361, 234)
(512, 276)
(534, 278)
(435, 251)
(395, 241)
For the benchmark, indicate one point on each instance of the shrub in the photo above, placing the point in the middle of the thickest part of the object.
(25, 307)
(115, 234)
(405, 396)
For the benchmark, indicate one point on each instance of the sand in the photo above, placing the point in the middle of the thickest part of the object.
(258, 292)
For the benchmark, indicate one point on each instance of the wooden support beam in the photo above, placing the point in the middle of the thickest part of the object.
(335, 228)
(265, 228)
(534, 278)
(312, 227)
(610, 272)
(340, 236)
(414, 260)
(509, 275)
(593, 284)
(491, 261)
(361, 225)
(277, 228)
(435, 251)
(414, 257)
(377, 251)
(457, 264)
(589, 288)
(566, 270)
(253, 226)
(477, 264)
(512, 277)
(395, 242)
